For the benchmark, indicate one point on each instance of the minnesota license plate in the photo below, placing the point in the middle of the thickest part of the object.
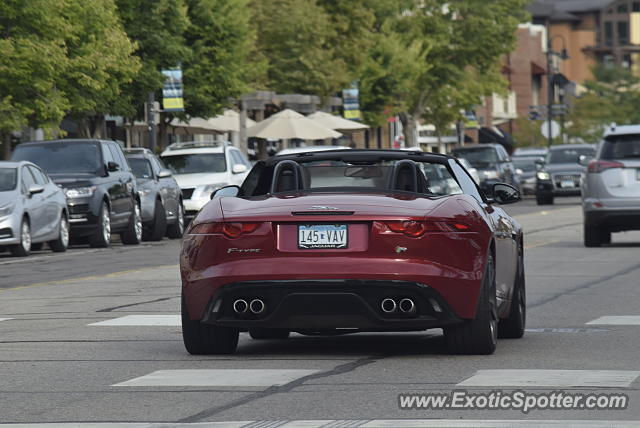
(312, 236)
(567, 184)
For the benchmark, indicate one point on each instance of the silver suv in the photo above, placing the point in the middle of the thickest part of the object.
(611, 186)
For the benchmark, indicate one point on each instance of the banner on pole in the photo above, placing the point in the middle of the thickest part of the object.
(172, 91)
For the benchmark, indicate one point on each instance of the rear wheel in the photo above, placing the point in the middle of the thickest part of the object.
(594, 237)
(268, 333)
(544, 200)
(478, 336)
(513, 326)
(175, 230)
(102, 236)
(159, 227)
(204, 339)
(24, 247)
(132, 235)
(60, 244)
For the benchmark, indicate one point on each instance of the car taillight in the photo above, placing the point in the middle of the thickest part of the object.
(230, 230)
(600, 165)
(416, 228)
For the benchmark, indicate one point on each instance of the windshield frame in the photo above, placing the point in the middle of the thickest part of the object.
(591, 154)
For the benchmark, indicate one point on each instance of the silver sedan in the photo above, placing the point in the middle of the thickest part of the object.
(33, 210)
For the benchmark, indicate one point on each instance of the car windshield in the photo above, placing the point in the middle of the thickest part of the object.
(141, 167)
(621, 147)
(196, 163)
(478, 157)
(62, 158)
(8, 179)
(526, 164)
(568, 155)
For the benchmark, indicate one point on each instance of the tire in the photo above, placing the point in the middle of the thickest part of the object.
(513, 326)
(132, 235)
(37, 246)
(544, 200)
(176, 230)
(159, 226)
(478, 336)
(268, 333)
(592, 236)
(23, 249)
(204, 339)
(61, 244)
(102, 236)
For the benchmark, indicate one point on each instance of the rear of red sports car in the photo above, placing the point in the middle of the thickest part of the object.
(331, 261)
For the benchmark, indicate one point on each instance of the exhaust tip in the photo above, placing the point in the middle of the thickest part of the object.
(240, 306)
(388, 305)
(407, 306)
(257, 306)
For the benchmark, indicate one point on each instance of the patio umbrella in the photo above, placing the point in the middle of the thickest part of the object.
(336, 122)
(195, 125)
(289, 124)
(229, 121)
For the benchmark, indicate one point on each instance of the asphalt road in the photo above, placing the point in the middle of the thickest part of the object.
(56, 367)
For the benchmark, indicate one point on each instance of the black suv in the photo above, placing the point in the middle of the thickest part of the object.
(101, 190)
(492, 162)
(561, 172)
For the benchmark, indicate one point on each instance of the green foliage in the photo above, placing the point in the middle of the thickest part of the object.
(613, 96)
(528, 133)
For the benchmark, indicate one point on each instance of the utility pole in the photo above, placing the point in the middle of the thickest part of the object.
(549, 89)
(151, 120)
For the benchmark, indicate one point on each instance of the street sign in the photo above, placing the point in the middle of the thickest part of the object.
(555, 129)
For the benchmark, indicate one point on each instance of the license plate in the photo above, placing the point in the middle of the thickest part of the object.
(312, 236)
(567, 183)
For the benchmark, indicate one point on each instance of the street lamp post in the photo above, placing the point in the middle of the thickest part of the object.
(562, 55)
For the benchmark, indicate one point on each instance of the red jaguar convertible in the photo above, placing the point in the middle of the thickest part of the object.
(349, 241)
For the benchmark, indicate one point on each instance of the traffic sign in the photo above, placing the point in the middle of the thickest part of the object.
(555, 129)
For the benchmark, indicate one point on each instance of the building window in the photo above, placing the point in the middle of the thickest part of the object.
(622, 8)
(608, 33)
(635, 7)
(623, 33)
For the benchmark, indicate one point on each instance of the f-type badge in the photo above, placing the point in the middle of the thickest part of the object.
(400, 250)
(243, 250)
(322, 207)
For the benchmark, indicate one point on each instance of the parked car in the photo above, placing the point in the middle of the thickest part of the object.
(530, 152)
(492, 162)
(200, 168)
(101, 191)
(560, 174)
(526, 168)
(33, 210)
(160, 196)
(351, 241)
(611, 186)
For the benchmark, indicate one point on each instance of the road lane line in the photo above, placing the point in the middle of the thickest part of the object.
(616, 320)
(552, 378)
(87, 278)
(5, 319)
(219, 377)
(540, 244)
(142, 320)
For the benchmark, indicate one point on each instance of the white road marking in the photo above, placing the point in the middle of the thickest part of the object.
(617, 320)
(377, 423)
(552, 378)
(5, 319)
(142, 320)
(218, 377)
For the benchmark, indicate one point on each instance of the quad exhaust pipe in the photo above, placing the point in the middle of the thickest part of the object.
(406, 305)
(257, 306)
(388, 306)
(240, 306)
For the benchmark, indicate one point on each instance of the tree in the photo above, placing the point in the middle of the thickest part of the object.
(100, 62)
(32, 62)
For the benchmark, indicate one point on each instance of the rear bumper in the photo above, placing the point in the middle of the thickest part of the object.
(547, 188)
(329, 304)
(614, 220)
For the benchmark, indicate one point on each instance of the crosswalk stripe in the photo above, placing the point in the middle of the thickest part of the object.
(378, 423)
(617, 320)
(219, 377)
(142, 320)
(552, 378)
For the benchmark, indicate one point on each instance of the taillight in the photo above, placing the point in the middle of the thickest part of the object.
(230, 230)
(416, 228)
(600, 165)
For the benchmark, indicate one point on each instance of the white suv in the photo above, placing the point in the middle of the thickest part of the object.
(202, 168)
(611, 186)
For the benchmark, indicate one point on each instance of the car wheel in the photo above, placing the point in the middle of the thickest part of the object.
(544, 200)
(159, 227)
(478, 336)
(24, 247)
(102, 236)
(513, 326)
(268, 333)
(204, 339)
(592, 236)
(133, 233)
(61, 244)
(176, 230)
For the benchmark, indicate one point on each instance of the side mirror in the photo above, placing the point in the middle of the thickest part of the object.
(584, 160)
(504, 194)
(231, 190)
(239, 168)
(112, 167)
(35, 189)
(164, 173)
(539, 164)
